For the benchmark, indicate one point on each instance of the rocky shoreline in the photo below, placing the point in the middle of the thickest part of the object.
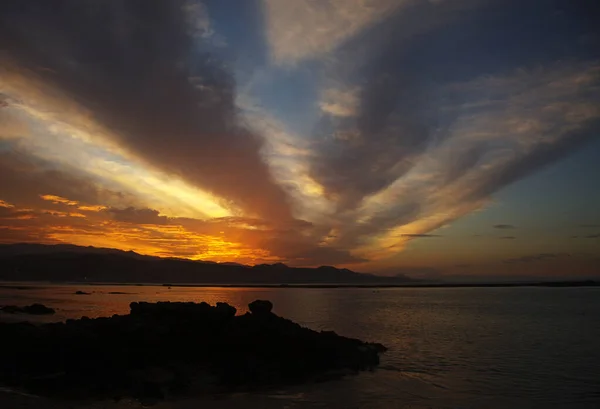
(161, 350)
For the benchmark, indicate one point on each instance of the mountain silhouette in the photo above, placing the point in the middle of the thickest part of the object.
(71, 263)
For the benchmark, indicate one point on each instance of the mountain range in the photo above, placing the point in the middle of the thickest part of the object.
(71, 263)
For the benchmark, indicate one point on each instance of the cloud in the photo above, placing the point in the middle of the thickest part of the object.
(57, 199)
(436, 134)
(138, 216)
(197, 19)
(6, 204)
(305, 29)
(164, 97)
(25, 178)
(11, 213)
(420, 235)
(504, 226)
(94, 208)
(508, 237)
(340, 103)
(301, 252)
(533, 258)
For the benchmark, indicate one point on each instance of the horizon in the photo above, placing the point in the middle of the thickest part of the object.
(432, 139)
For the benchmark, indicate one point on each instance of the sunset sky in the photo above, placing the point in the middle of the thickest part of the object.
(423, 137)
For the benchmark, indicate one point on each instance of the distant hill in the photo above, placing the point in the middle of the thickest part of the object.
(70, 263)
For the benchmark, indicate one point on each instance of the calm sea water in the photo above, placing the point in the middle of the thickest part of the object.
(448, 348)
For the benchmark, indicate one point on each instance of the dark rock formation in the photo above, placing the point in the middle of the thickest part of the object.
(33, 309)
(260, 307)
(168, 348)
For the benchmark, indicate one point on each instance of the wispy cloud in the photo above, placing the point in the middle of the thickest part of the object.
(588, 236)
(533, 258)
(504, 226)
(306, 29)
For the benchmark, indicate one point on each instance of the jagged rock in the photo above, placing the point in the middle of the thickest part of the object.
(162, 349)
(260, 307)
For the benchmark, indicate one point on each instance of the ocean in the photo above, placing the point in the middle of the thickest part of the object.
(449, 348)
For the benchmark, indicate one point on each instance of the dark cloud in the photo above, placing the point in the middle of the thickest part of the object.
(300, 251)
(590, 225)
(138, 216)
(25, 178)
(589, 236)
(507, 237)
(163, 92)
(504, 226)
(420, 235)
(533, 258)
(399, 215)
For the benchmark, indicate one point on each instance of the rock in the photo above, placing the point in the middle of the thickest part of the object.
(38, 309)
(11, 309)
(33, 309)
(167, 348)
(79, 292)
(225, 309)
(260, 307)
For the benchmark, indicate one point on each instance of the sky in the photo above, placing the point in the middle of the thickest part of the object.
(432, 138)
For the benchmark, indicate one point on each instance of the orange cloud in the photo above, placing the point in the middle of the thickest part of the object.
(96, 208)
(5, 204)
(57, 199)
